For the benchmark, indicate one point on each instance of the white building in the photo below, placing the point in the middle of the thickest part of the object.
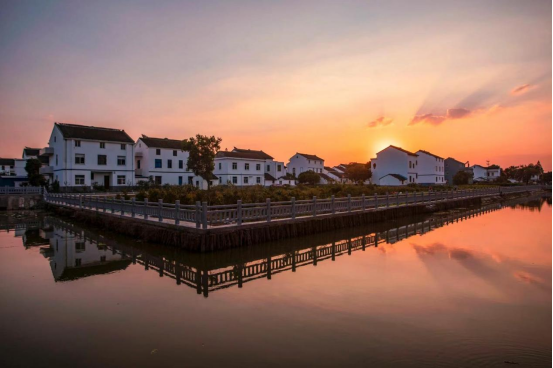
(394, 166)
(430, 168)
(81, 156)
(302, 162)
(245, 167)
(483, 173)
(163, 161)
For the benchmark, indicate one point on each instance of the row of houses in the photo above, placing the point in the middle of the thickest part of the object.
(87, 156)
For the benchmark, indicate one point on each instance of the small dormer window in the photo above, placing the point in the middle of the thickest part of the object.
(77, 143)
(102, 145)
(123, 146)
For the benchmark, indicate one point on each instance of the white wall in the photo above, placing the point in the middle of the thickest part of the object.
(430, 169)
(255, 175)
(393, 161)
(480, 173)
(167, 175)
(299, 164)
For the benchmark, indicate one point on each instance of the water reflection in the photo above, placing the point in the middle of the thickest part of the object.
(75, 252)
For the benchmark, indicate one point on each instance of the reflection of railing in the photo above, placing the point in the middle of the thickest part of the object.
(206, 280)
(203, 216)
(20, 190)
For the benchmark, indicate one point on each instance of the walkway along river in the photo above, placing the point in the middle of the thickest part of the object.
(208, 228)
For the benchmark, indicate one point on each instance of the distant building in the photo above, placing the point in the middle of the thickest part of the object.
(430, 168)
(394, 166)
(451, 168)
(30, 153)
(245, 167)
(302, 162)
(163, 161)
(82, 156)
(12, 172)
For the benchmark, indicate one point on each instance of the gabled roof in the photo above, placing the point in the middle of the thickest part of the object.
(248, 151)
(252, 155)
(151, 142)
(325, 177)
(7, 161)
(430, 154)
(397, 176)
(400, 149)
(310, 157)
(269, 177)
(73, 131)
(451, 158)
(31, 151)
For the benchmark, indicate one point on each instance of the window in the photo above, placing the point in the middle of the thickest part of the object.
(234, 166)
(102, 145)
(77, 262)
(181, 164)
(102, 160)
(169, 164)
(158, 164)
(180, 180)
(102, 259)
(258, 180)
(246, 180)
(138, 164)
(220, 166)
(374, 166)
(123, 147)
(197, 183)
(436, 179)
(158, 152)
(190, 178)
(54, 139)
(268, 167)
(279, 167)
(56, 160)
(79, 179)
(121, 179)
(157, 180)
(79, 159)
(246, 166)
(121, 160)
(77, 143)
(174, 152)
(258, 167)
(234, 180)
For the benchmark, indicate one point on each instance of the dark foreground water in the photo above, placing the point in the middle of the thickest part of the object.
(458, 289)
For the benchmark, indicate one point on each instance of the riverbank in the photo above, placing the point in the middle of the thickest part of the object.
(220, 238)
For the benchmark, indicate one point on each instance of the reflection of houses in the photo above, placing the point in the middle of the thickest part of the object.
(72, 256)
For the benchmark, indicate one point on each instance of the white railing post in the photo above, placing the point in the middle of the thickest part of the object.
(332, 204)
(239, 212)
(375, 201)
(177, 212)
(397, 199)
(363, 202)
(293, 208)
(387, 200)
(133, 204)
(198, 214)
(204, 215)
(268, 202)
(349, 202)
(81, 202)
(160, 210)
(314, 209)
(113, 205)
(145, 208)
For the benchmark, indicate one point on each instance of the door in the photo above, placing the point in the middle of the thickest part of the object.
(106, 181)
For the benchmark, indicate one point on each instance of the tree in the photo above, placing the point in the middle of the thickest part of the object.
(32, 167)
(309, 177)
(202, 150)
(546, 178)
(359, 173)
(462, 177)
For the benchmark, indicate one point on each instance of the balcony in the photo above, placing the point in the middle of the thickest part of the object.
(46, 170)
(47, 151)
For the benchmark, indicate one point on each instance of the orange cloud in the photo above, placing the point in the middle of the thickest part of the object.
(381, 121)
(522, 89)
(452, 114)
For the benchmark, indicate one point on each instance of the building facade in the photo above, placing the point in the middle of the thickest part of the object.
(302, 162)
(83, 156)
(430, 168)
(245, 167)
(397, 161)
(451, 168)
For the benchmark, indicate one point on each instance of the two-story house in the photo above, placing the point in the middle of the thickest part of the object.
(245, 167)
(451, 168)
(430, 168)
(85, 155)
(394, 166)
(302, 162)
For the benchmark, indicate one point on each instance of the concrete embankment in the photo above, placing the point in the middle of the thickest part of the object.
(249, 234)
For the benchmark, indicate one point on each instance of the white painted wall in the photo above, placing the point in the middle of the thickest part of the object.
(227, 174)
(430, 169)
(393, 161)
(299, 164)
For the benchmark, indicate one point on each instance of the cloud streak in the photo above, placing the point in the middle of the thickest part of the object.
(380, 122)
(431, 119)
(522, 89)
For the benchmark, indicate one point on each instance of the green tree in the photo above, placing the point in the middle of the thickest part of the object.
(202, 150)
(358, 173)
(546, 178)
(309, 177)
(32, 167)
(462, 177)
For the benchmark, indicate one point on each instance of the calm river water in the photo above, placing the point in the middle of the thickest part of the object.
(466, 288)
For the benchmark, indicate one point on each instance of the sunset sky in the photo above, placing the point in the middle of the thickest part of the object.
(339, 79)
